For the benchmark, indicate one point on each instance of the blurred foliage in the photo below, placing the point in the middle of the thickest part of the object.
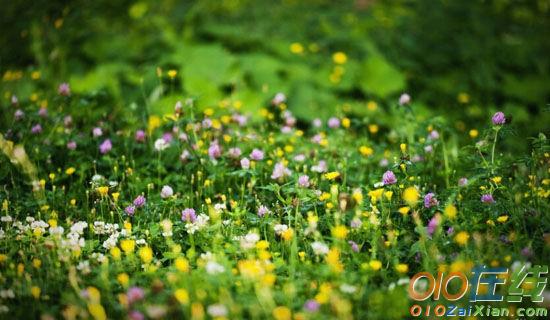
(466, 59)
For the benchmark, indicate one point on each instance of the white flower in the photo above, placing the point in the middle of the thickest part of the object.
(6, 218)
(212, 267)
(249, 240)
(217, 310)
(166, 192)
(319, 248)
(348, 288)
(280, 228)
(160, 144)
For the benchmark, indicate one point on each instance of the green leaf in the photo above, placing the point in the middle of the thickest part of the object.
(379, 77)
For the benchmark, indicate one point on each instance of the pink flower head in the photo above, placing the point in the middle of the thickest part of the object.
(19, 114)
(487, 198)
(354, 246)
(135, 294)
(97, 132)
(430, 200)
(499, 119)
(280, 171)
(278, 99)
(71, 145)
(36, 129)
(140, 136)
(262, 211)
(188, 215)
(257, 155)
(303, 181)
(234, 152)
(214, 151)
(139, 201)
(130, 210)
(333, 123)
(43, 112)
(432, 225)
(64, 89)
(166, 192)
(404, 99)
(245, 163)
(312, 305)
(462, 182)
(105, 146)
(389, 178)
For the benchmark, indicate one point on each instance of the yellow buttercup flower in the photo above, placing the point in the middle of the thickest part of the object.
(146, 254)
(182, 296)
(181, 264)
(103, 190)
(366, 151)
(70, 171)
(123, 279)
(450, 212)
(375, 265)
(332, 175)
(340, 232)
(339, 57)
(411, 196)
(35, 292)
(462, 238)
(402, 268)
(296, 48)
(502, 219)
(128, 245)
(282, 313)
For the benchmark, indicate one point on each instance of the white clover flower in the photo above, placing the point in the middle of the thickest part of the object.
(212, 267)
(348, 288)
(217, 310)
(319, 248)
(6, 218)
(160, 144)
(280, 228)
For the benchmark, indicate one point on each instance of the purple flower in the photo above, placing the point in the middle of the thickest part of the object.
(214, 151)
(97, 132)
(450, 231)
(245, 163)
(130, 210)
(499, 119)
(320, 167)
(280, 171)
(262, 211)
(333, 123)
(430, 200)
(19, 114)
(188, 214)
(71, 145)
(106, 146)
(355, 223)
(166, 192)
(354, 246)
(184, 155)
(462, 182)
(389, 178)
(312, 305)
(36, 129)
(428, 148)
(278, 99)
(234, 152)
(140, 136)
(135, 294)
(404, 99)
(167, 137)
(139, 201)
(526, 252)
(206, 123)
(135, 315)
(43, 112)
(64, 89)
(257, 155)
(434, 135)
(432, 225)
(487, 198)
(303, 181)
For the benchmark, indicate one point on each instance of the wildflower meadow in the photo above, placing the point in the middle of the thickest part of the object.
(226, 175)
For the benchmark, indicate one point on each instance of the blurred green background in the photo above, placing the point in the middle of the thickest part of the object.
(461, 59)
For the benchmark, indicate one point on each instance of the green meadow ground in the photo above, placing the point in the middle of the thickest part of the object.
(163, 163)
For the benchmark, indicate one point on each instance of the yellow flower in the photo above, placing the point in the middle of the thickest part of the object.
(462, 238)
(373, 128)
(70, 171)
(73, 202)
(115, 196)
(181, 264)
(262, 245)
(287, 234)
(404, 210)
(35, 292)
(473, 133)
(340, 232)
(128, 245)
(339, 57)
(366, 151)
(502, 219)
(346, 122)
(182, 296)
(496, 180)
(333, 260)
(332, 175)
(36, 263)
(3, 258)
(146, 254)
(296, 48)
(375, 265)
(403, 147)
(282, 313)
(375, 195)
(123, 279)
(97, 311)
(450, 211)
(103, 191)
(372, 105)
(172, 73)
(402, 268)
(411, 196)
